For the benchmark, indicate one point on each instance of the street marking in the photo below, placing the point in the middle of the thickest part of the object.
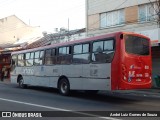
(58, 109)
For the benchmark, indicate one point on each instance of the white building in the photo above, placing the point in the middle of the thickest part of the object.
(13, 30)
(140, 16)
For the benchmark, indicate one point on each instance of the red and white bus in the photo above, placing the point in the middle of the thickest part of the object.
(116, 61)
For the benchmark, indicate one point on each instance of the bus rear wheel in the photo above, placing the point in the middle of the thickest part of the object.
(21, 83)
(64, 86)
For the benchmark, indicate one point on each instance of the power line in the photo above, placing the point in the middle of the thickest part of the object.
(113, 30)
(157, 12)
(153, 6)
(113, 10)
(6, 3)
(131, 22)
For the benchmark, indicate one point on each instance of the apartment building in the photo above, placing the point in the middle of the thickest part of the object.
(140, 16)
(104, 16)
(13, 29)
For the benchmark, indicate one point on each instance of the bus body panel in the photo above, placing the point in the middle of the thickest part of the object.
(97, 76)
(115, 65)
(138, 71)
(93, 75)
(13, 78)
(135, 68)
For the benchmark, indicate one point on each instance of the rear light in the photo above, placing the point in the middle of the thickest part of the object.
(124, 72)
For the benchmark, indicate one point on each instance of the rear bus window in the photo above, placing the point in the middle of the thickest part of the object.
(136, 45)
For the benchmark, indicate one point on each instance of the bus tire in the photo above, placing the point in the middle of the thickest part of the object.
(20, 82)
(64, 86)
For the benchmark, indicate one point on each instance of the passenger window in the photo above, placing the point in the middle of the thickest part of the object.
(77, 49)
(103, 51)
(64, 55)
(48, 56)
(32, 55)
(98, 46)
(108, 45)
(41, 54)
(14, 60)
(62, 51)
(29, 59)
(81, 54)
(37, 54)
(21, 59)
(38, 58)
(85, 48)
(27, 55)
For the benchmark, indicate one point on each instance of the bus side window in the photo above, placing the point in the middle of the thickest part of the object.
(48, 57)
(14, 60)
(29, 59)
(21, 60)
(103, 51)
(37, 58)
(41, 58)
(64, 55)
(54, 58)
(81, 53)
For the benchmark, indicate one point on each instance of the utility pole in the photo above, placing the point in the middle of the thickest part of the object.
(157, 10)
(158, 13)
(68, 29)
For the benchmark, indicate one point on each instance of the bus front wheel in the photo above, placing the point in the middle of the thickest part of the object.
(64, 86)
(21, 83)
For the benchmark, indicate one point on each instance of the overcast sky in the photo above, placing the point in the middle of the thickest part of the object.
(48, 14)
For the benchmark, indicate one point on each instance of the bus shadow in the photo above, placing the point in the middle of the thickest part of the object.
(109, 97)
(43, 89)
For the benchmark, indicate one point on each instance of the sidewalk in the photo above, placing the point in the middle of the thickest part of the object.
(152, 93)
(6, 81)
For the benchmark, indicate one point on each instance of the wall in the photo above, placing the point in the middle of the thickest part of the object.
(99, 6)
(94, 8)
(12, 29)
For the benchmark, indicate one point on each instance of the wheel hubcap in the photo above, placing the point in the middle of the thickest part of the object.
(64, 87)
(21, 83)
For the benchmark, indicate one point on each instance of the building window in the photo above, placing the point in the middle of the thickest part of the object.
(147, 12)
(113, 18)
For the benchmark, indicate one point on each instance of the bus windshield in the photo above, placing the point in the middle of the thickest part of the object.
(136, 45)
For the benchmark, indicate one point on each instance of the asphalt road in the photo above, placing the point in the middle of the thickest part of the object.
(78, 104)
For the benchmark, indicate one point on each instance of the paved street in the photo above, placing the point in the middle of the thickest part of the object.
(13, 98)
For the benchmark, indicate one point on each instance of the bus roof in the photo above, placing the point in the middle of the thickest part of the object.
(76, 41)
